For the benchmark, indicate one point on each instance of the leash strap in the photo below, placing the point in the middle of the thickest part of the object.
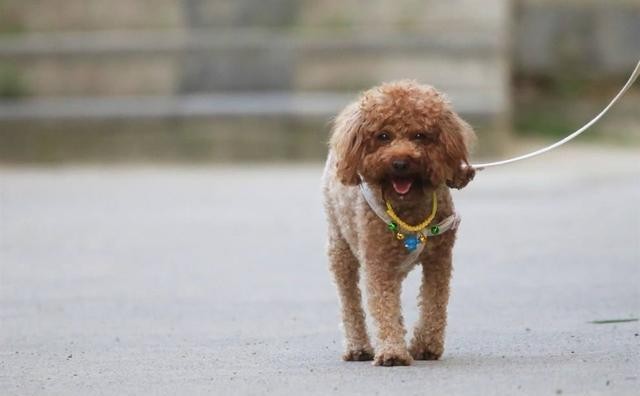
(632, 79)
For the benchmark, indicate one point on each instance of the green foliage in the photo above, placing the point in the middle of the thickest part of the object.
(10, 23)
(542, 122)
(12, 84)
(338, 22)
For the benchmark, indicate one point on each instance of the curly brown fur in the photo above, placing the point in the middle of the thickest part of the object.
(397, 135)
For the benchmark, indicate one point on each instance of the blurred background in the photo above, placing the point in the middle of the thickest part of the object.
(249, 80)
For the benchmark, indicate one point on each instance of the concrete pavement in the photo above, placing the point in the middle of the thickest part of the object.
(213, 280)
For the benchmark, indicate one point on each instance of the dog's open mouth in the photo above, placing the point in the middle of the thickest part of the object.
(401, 185)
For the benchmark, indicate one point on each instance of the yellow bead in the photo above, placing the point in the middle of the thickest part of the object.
(422, 238)
(416, 228)
(400, 236)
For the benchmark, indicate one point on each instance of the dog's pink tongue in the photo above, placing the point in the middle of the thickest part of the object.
(402, 186)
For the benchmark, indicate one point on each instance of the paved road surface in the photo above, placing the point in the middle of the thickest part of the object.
(195, 280)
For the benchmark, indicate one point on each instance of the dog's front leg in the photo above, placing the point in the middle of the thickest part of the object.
(384, 287)
(428, 337)
(345, 269)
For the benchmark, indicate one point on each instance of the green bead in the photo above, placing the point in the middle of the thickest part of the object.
(392, 226)
(435, 230)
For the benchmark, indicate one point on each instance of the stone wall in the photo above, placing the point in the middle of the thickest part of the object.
(177, 47)
(83, 15)
(590, 38)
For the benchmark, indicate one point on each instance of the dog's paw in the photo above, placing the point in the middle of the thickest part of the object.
(389, 359)
(461, 178)
(423, 352)
(358, 355)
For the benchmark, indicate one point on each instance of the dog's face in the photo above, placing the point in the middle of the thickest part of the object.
(401, 136)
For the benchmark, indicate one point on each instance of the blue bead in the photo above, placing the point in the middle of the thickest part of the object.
(411, 242)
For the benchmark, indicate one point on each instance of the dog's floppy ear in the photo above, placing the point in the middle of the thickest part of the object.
(456, 136)
(347, 142)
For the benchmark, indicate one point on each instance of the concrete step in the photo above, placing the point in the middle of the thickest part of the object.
(86, 15)
(231, 127)
(205, 61)
(254, 104)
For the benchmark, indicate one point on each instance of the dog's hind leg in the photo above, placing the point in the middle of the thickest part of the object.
(345, 269)
(428, 336)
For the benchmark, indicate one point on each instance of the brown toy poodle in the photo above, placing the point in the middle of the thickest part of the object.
(394, 151)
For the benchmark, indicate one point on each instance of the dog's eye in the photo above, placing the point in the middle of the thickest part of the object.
(383, 136)
(422, 136)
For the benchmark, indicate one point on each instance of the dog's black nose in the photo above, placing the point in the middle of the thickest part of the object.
(400, 165)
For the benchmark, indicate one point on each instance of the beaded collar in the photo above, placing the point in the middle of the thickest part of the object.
(414, 237)
(400, 228)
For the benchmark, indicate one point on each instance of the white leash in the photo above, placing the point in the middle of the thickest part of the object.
(543, 150)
